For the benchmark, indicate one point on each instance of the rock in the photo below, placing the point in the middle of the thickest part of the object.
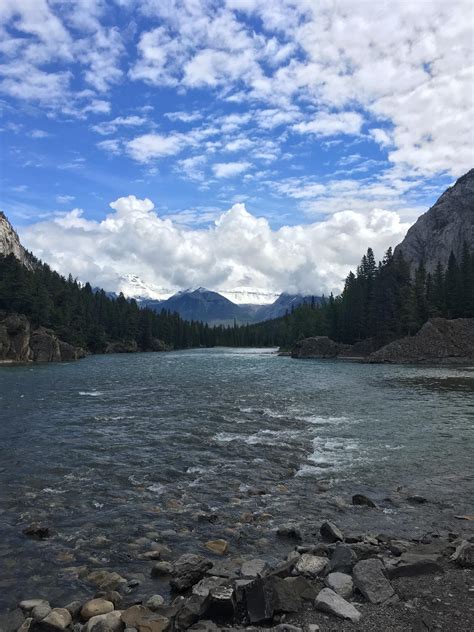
(25, 626)
(37, 531)
(464, 555)
(329, 601)
(284, 594)
(361, 499)
(203, 587)
(161, 569)
(110, 622)
(113, 596)
(286, 627)
(154, 602)
(94, 607)
(343, 559)
(290, 531)
(204, 626)
(230, 569)
(29, 604)
(369, 578)
(304, 588)
(259, 607)
(221, 603)
(41, 611)
(58, 618)
(11, 621)
(317, 347)
(412, 564)
(219, 547)
(190, 612)
(341, 584)
(144, 620)
(106, 580)
(417, 500)
(330, 532)
(310, 565)
(74, 608)
(254, 568)
(188, 570)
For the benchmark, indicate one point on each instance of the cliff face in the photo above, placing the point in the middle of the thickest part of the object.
(439, 340)
(10, 244)
(20, 343)
(443, 228)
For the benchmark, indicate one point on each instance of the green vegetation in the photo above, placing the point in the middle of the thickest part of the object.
(380, 302)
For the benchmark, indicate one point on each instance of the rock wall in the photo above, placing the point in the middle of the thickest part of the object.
(439, 340)
(10, 244)
(20, 343)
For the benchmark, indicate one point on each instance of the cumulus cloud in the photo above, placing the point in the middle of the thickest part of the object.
(149, 146)
(237, 250)
(229, 169)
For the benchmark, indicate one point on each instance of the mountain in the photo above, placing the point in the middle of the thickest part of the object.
(443, 228)
(284, 303)
(10, 244)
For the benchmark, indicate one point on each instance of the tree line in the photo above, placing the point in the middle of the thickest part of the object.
(380, 302)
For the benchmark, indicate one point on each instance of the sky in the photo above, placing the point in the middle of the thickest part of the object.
(235, 144)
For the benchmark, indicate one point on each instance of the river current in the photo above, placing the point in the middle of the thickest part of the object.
(116, 453)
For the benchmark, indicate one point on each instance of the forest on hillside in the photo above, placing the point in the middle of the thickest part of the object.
(380, 301)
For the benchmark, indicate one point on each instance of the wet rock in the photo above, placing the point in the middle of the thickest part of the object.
(230, 569)
(28, 604)
(94, 607)
(41, 611)
(361, 499)
(110, 622)
(254, 568)
(25, 626)
(310, 565)
(341, 584)
(412, 564)
(219, 547)
(188, 570)
(106, 580)
(58, 618)
(290, 531)
(330, 532)
(11, 621)
(369, 578)
(343, 559)
(161, 569)
(37, 531)
(144, 620)
(74, 608)
(464, 555)
(329, 601)
(221, 603)
(304, 588)
(203, 587)
(154, 602)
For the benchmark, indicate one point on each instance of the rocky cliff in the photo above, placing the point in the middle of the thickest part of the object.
(439, 340)
(10, 244)
(19, 342)
(443, 228)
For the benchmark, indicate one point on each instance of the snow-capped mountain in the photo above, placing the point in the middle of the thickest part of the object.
(249, 296)
(133, 286)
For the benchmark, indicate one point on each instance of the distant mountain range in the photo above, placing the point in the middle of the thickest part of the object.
(211, 307)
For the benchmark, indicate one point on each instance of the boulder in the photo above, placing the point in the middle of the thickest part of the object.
(267, 596)
(361, 499)
(310, 565)
(160, 569)
(58, 618)
(144, 620)
(412, 564)
(14, 338)
(342, 559)
(28, 604)
(341, 584)
(40, 611)
(330, 532)
(221, 604)
(44, 346)
(188, 570)
(203, 587)
(106, 580)
(464, 554)
(370, 579)
(219, 547)
(303, 587)
(94, 607)
(110, 622)
(190, 612)
(329, 601)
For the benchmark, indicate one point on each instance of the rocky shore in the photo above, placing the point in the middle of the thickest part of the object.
(438, 341)
(334, 581)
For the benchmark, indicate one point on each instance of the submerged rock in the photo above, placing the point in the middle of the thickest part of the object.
(330, 532)
(361, 499)
(464, 554)
(219, 547)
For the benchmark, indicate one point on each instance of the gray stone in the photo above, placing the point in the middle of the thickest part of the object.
(329, 601)
(41, 611)
(94, 607)
(369, 577)
(203, 587)
(361, 499)
(290, 531)
(106, 580)
(161, 569)
(154, 602)
(59, 618)
(191, 611)
(310, 565)
(28, 604)
(330, 532)
(188, 570)
(412, 564)
(74, 608)
(110, 622)
(464, 554)
(343, 559)
(303, 587)
(254, 568)
(25, 626)
(341, 584)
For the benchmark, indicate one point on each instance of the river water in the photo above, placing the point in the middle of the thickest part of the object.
(114, 453)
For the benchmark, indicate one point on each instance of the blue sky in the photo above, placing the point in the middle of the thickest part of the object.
(305, 128)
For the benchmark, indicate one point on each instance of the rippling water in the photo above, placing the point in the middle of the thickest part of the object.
(116, 452)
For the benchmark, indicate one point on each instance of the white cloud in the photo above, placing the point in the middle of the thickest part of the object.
(238, 250)
(229, 169)
(110, 127)
(150, 146)
(39, 133)
(326, 124)
(64, 199)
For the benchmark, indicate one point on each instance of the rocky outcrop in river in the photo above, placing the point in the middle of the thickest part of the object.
(19, 342)
(439, 340)
(318, 347)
